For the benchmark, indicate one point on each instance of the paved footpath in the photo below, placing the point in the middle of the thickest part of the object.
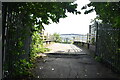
(71, 66)
(65, 48)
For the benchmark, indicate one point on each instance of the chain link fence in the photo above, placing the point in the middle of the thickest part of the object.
(108, 45)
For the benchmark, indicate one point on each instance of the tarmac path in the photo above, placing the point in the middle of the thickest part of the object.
(77, 65)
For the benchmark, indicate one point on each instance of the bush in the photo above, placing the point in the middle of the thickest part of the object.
(98, 58)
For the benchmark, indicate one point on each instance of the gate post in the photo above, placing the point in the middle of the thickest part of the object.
(0, 40)
(96, 44)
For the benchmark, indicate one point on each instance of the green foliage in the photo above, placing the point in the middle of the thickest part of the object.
(107, 11)
(37, 44)
(93, 41)
(42, 12)
(19, 19)
(22, 67)
(98, 58)
(42, 50)
(57, 37)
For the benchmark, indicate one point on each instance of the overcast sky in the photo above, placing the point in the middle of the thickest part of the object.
(75, 24)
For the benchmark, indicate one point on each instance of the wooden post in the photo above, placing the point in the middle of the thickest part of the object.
(0, 40)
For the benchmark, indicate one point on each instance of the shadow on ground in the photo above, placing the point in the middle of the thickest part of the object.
(71, 66)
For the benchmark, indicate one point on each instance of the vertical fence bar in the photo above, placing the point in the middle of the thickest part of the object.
(96, 45)
(0, 40)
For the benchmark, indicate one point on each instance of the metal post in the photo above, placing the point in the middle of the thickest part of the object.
(0, 40)
(96, 38)
(89, 34)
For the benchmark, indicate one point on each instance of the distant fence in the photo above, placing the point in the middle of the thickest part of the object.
(87, 41)
(77, 37)
(86, 38)
(108, 45)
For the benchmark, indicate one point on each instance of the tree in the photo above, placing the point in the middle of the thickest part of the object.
(56, 37)
(109, 12)
(18, 20)
(40, 13)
